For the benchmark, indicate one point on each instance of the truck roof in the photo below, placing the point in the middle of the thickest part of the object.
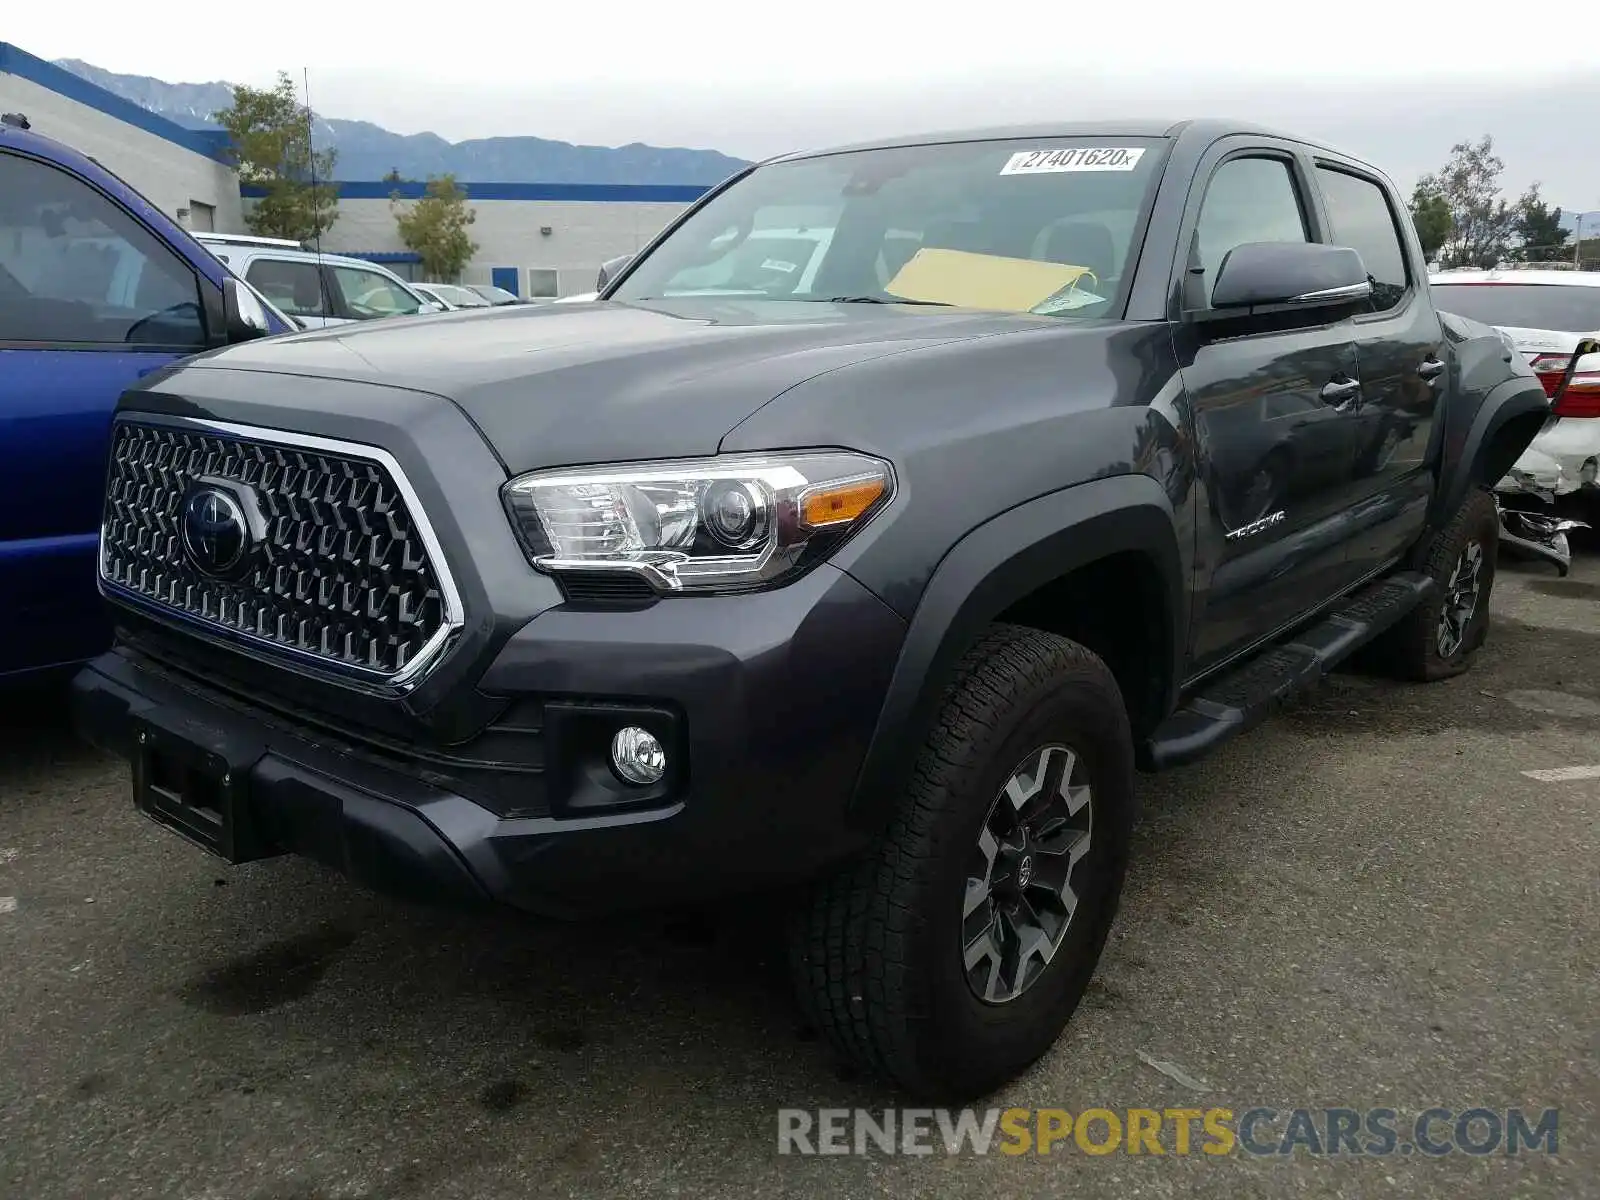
(250, 239)
(30, 139)
(1209, 128)
(250, 250)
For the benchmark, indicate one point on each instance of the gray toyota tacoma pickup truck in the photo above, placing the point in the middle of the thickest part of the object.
(878, 522)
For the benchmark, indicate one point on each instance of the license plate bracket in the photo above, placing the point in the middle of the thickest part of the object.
(199, 792)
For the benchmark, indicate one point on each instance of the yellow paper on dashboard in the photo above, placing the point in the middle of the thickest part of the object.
(981, 280)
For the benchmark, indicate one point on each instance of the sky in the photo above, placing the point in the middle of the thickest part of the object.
(1397, 82)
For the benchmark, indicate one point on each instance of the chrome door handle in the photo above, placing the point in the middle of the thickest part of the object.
(1431, 368)
(1339, 392)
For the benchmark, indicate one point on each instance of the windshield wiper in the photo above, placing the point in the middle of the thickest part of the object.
(883, 300)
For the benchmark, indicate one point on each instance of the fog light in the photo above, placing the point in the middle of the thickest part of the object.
(637, 756)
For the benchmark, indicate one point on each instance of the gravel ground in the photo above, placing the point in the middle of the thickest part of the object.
(1364, 903)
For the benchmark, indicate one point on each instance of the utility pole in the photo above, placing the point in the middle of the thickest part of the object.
(1577, 241)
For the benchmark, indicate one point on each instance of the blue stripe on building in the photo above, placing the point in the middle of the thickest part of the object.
(383, 256)
(637, 193)
(212, 143)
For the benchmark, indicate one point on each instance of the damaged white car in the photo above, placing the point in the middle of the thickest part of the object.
(1552, 318)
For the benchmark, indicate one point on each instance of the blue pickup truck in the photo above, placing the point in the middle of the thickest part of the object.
(97, 290)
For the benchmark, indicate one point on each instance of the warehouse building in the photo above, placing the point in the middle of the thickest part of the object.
(183, 172)
(535, 240)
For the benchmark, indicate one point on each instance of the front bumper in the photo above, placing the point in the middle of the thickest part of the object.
(770, 700)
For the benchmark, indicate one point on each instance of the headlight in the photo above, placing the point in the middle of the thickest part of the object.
(715, 524)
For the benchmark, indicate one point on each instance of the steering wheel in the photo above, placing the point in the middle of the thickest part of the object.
(187, 311)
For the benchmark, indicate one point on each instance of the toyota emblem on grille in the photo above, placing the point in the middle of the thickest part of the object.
(216, 535)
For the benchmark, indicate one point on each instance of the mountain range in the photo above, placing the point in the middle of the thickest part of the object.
(369, 152)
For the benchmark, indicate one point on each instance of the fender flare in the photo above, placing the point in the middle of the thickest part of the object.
(1473, 458)
(989, 569)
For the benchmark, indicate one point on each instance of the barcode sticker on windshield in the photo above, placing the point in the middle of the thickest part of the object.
(1082, 158)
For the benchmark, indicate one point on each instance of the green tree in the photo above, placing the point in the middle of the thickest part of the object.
(1539, 227)
(271, 132)
(436, 227)
(1482, 224)
(1430, 213)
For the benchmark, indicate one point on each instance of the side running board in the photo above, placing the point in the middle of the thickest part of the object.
(1242, 699)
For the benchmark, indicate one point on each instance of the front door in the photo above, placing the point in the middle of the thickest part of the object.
(362, 295)
(90, 301)
(1400, 351)
(1273, 412)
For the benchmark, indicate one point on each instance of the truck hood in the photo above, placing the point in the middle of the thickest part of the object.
(592, 382)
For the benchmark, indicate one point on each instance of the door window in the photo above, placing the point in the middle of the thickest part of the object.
(78, 269)
(295, 287)
(366, 294)
(1360, 217)
(1248, 200)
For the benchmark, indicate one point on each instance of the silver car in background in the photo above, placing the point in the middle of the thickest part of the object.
(317, 289)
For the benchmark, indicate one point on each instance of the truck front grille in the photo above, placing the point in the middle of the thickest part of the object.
(336, 565)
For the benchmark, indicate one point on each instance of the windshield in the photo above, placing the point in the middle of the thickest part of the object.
(1570, 308)
(461, 296)
(1037, 226)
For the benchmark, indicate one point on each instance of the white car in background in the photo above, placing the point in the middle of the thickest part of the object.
(1545, 314)
(317, 289)
(496, 296)
(785, 261)
(451, 296)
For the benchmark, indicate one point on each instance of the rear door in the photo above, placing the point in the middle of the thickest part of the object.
(295, 285)
(90, 301)
(1400, 351)
(1271, 406)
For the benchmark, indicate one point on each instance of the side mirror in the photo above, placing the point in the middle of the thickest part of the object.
(430, 306)
(610, 269)
(242, 314)
(1292, 274)
(1584, 347)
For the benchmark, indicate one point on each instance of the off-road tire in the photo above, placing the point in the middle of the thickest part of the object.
(1411, 649)
(877, 950)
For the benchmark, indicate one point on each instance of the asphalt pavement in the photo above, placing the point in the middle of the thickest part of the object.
(1366, 903)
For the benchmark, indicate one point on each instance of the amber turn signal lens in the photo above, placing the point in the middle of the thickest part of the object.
(841, 503)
